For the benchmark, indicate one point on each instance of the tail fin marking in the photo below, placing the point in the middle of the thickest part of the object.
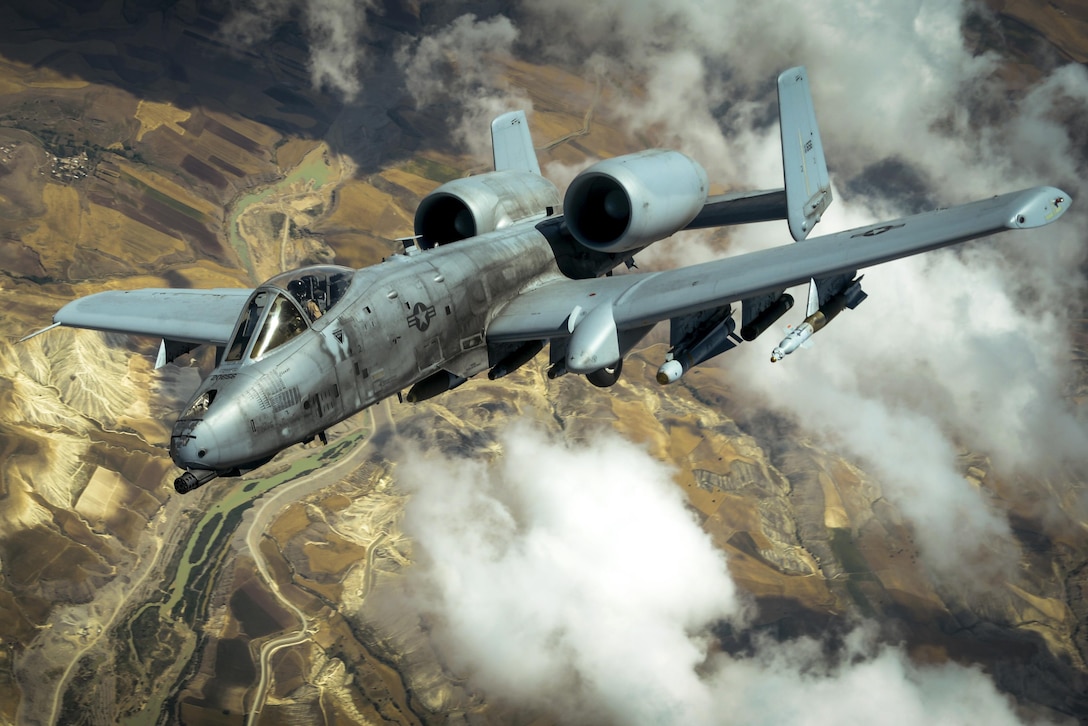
(808, 189)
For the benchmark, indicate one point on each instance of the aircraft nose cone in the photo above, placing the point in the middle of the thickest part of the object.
(194, 445)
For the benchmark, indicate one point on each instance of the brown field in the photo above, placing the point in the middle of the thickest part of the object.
(1063, 22)
(217, 154)
(335, 503)
(61, 221)
(204, 172)
(42, 554)
(225, 166)
(356, 249)
(236, 138)
(291, 153)
(23, 165)
(183, 197)
(360, 204)
(257, 610)
(292, 521)
(333, 556)
(152, 201)
(292, 670)
(152, 115)
(19, 260)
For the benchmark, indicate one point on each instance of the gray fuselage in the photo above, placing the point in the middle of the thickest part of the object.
(398, 323)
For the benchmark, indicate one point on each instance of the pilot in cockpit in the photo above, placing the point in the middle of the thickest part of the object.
(302, 292)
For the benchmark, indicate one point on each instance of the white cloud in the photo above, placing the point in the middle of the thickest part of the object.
(333, 31)
(567, 576)
(333, 28)
(461, 66)
(797, 683)
(571, 578)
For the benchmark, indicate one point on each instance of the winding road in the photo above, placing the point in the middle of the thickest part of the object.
(272, 505)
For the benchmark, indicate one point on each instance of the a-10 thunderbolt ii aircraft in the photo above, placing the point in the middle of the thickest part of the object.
(495, 273)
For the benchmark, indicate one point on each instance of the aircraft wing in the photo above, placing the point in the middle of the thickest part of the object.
(183, 315)
(635, 301)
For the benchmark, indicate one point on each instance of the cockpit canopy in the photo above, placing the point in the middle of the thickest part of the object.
(285, 306)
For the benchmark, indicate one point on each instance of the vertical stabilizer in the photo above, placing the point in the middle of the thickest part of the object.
(512, 144)
(808, 190)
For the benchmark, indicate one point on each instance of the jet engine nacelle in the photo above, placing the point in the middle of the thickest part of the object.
(628, 202)
(464, 208)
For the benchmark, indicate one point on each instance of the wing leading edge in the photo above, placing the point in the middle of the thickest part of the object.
(639, 300)
(189, 316)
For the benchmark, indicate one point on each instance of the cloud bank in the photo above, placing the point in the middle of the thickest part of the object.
(572, 579)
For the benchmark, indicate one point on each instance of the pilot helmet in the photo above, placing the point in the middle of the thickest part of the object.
(297, 288)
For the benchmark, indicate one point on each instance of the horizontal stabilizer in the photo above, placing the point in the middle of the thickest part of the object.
(808, 190)
(741, 208)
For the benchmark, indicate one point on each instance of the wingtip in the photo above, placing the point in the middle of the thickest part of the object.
(1039, 207)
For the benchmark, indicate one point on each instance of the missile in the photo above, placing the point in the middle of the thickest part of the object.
(849, 297)
(670, 371)
(796, 338)
(720, 339)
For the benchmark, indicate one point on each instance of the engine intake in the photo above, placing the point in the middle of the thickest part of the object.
(628, 202)
(464, 208)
